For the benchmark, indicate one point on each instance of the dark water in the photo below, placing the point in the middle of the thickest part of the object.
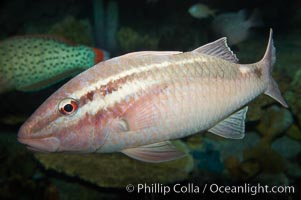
(265, 164)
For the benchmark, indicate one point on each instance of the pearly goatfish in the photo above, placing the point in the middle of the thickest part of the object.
(138, 102)
(30, 63)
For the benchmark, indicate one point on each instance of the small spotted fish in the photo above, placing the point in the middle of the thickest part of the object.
(29, 63)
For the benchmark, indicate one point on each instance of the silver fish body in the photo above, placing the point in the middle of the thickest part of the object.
(136, 103)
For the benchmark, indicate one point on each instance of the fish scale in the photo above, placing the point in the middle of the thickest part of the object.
(138, 102)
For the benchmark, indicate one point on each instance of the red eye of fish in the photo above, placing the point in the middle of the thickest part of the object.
(68, 106)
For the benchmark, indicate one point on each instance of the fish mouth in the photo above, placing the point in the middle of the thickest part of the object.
(47, 144)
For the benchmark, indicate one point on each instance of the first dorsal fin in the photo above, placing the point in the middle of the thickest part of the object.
(218, 48)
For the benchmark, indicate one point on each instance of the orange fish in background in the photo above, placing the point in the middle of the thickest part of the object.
(138, 102)
(29, 63)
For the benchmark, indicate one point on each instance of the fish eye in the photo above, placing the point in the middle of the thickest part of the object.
(68, 106)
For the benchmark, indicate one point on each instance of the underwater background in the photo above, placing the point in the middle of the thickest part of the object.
(270, 153)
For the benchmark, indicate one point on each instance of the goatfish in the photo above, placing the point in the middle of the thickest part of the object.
(29, 63)
(137, 103)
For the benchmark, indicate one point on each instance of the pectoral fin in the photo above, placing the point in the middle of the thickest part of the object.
(232, 127)
(155, 153)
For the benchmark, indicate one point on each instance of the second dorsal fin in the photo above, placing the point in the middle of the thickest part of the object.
(218, 48)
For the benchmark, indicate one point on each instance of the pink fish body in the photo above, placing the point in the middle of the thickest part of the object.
(138, 102)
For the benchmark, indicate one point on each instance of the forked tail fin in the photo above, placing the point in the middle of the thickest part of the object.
(267, 63)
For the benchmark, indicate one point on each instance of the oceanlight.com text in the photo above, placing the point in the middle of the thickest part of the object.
(191, 188)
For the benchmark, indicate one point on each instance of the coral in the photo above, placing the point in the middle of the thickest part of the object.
(117, 170)
(130, 40)
(78, 31)
(274, 123)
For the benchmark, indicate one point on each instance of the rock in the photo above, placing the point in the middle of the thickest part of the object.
(294, 101)
(294, 132)
(116, 170)
(293, 169)
(287, 147)
(249, 169)
(274, 123)
(208, 159)
(235, 148)
(215, 154)
(255, 107)
(18, 166)
(195, 142)
(297, 79)
(293, 96)
(232, 166)
(269, 161)
(279, 179)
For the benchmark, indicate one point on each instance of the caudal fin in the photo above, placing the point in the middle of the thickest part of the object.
(267, 62)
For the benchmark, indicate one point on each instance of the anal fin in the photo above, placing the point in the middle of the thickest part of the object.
(232, 127)
(155, 153)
